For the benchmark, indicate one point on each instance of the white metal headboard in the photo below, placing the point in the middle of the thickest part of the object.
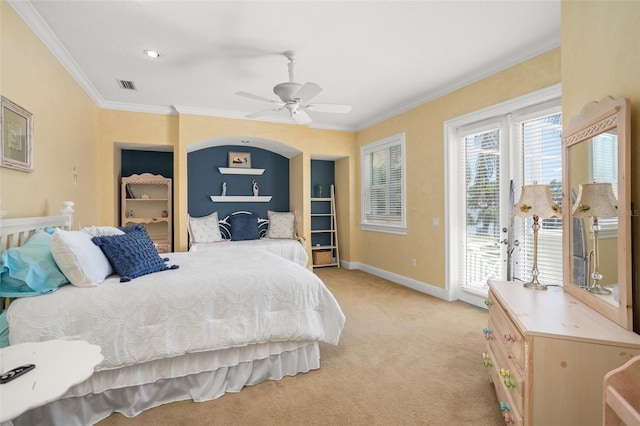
(14, 232)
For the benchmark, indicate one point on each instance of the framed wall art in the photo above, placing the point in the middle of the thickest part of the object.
(241, 160)
(16, 137)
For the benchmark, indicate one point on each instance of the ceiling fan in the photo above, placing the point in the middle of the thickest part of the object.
(295, 97)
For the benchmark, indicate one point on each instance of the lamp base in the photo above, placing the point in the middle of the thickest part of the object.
(534, 285)
(598, 289)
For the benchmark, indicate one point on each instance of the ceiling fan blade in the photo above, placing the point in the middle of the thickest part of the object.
(259, 98)
(256, 114)
(337, 108)
(259, 113)
(308, 91)
(301, 117)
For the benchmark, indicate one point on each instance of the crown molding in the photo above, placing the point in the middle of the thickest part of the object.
(34, 21)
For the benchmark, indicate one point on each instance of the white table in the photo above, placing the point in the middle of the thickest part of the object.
(60, 364)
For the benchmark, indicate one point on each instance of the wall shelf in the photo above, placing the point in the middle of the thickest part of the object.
(240, 198)
(239, 171)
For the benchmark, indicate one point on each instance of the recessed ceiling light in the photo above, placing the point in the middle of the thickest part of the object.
(152, 53)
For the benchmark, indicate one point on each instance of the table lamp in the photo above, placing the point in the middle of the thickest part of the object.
(535, 200)
(595, 200)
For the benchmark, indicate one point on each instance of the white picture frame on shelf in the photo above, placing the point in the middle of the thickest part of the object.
(239, 160)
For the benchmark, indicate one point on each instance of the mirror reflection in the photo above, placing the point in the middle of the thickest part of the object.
(594, 214)
(597, 244)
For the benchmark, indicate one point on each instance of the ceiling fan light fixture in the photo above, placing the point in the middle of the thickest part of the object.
(286, 91)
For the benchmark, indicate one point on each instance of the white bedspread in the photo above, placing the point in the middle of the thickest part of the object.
(289, 249)
(232, 299)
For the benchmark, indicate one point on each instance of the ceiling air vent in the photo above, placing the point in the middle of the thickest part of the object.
(128, 85)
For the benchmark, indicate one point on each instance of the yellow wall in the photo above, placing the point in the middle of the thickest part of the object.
(65, 128)
(71, 131)
(425, 162)
(604, 60)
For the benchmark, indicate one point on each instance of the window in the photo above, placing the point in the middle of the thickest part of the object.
(603, 151)
(541, 140)
(383, 185)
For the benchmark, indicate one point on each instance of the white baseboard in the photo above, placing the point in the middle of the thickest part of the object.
(420, 286)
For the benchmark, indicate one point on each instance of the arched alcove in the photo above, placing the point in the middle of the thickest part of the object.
(206, 160)
(246, 141)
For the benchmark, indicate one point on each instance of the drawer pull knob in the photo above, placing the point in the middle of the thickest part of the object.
(488, 302)
(510, 383)
(508, 418)
(509, 337)
(487, 334)
(486, 360)
(504, 406)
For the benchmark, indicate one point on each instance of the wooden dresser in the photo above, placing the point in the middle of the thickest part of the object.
(547, 355)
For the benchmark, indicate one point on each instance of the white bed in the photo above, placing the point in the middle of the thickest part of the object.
(215, 325)
(292, 247)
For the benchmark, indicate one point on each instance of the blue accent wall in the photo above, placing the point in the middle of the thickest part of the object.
(322, 173)
(205, 180)
(138, 162)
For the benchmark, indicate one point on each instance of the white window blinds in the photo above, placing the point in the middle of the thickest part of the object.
(604, 168)
(542, 163)
(383, 185)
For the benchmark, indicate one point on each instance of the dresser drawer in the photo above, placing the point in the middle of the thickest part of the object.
(509, 409)
(505, 330)
(510, 375)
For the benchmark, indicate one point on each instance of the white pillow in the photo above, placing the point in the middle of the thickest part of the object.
(79, 259)
(205, 229)
(100, 231)
(282, 225)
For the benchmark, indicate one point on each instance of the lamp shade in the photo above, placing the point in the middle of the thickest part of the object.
(595, 200)
(535, 200)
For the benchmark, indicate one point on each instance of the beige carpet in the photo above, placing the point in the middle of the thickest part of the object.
(405, 358)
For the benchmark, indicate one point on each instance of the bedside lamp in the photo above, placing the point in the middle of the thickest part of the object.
(535, 200)
(595, 200)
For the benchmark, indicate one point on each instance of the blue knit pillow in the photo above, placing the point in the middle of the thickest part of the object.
(244, 227)
(132, 254)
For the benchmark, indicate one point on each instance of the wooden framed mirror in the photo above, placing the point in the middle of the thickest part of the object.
(597, 244)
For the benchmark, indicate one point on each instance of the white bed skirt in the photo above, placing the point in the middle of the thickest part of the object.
(80, 406)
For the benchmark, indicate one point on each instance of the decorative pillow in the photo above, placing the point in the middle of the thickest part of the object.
(81, 261)
(282, 225)
(205, 229)
(132, 228)
(244, 227)
(132, 254)
(99, 231)
(30, 270)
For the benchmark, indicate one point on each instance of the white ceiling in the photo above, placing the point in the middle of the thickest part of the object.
(381, 57)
